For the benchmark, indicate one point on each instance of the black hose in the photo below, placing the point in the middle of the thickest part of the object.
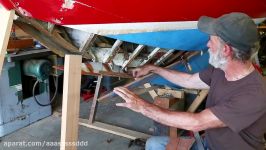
(51, 101)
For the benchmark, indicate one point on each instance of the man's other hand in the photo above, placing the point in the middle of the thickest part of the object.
(132, 101)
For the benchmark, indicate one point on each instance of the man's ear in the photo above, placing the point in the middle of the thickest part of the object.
(227, 51)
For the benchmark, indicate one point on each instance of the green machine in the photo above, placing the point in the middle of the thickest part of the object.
(38, 68)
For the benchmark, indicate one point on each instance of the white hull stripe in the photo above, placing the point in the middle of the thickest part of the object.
(125, 28)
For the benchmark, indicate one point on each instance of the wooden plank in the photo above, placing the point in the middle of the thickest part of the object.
(198, 100)
(115, 74)
(113, 129)
(54, 36)
(133, 56)
(6, 25)
(103, 73)
(47, 42)
(71, 101)
(113, 51)
(54, 40)
(151, 55)
(191, 91)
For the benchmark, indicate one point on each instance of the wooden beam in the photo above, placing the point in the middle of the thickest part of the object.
(54, 40)
(113, 129)
(44, 39)
(133, 56)
(191, 91)
(6, 24)
(198, 100)
(164, 57)
(152, 92)
(151, 55)
(113, 51)
(87, 44)
(71, 101)
(103, 73)
(174, 57)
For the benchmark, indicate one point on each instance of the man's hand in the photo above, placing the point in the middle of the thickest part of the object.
(132, 101)
(142, 71)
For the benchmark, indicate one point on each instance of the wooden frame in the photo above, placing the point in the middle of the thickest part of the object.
(70, 112)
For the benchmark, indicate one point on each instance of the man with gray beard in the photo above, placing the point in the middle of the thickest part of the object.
(235, 114)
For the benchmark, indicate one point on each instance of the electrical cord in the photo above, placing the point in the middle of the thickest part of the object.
(51, 101)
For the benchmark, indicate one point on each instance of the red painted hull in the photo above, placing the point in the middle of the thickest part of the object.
(117, 11)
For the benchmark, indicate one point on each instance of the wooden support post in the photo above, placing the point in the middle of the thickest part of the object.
(6, 24)
(95, 99)
(71, 101)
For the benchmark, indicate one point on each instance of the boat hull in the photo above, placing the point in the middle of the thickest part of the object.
(116, 11)
(166, 24)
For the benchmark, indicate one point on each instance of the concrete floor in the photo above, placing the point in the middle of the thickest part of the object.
(47, 130)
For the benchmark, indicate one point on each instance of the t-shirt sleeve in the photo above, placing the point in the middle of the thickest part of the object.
(242, 110)
(206, 75)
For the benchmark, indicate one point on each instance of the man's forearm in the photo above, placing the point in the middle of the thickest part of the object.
(182, 120)
(176, 77)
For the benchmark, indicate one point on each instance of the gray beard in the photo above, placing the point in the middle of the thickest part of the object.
(217, 60)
